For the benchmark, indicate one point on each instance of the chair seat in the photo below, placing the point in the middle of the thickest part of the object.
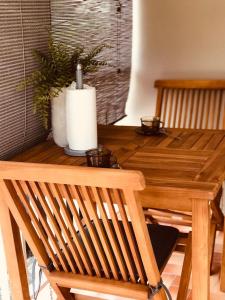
(163, 239)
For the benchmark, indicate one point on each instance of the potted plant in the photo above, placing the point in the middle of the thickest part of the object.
(55, 72)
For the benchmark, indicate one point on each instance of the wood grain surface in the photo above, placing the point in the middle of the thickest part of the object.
(184, 169)
(185, 160)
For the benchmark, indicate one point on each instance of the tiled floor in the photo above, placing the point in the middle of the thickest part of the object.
(171, 273)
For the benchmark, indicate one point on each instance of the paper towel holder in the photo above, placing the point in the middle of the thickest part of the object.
(71, 152)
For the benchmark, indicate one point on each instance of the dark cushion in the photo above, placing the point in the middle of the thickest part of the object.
(163, 240)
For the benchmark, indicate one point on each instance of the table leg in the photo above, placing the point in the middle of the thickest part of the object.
(14, 254)
(222, 274)
(200, 249)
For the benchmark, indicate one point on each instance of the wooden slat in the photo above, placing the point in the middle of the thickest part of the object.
(108, 253)
(143, 241)
(22, 190)
(186, 105)
(203, 105)
(124, 289)
(75, 248)
(192, 97)
(165, 104)
(37, 191)
(181, 108)
(120, 235)
(112, 237)
(159, 102)
(78, 221)
(219, 108)
(23, 221)
(104, 265)
(207, 112)
(171, 104)
(198, 103)
(175, 107)
(213, 107)
(68, 246)
(129, 236)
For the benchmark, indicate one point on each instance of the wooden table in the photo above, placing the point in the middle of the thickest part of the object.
(183, 171)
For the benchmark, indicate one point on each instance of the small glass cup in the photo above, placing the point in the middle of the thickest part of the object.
(100, 158)
(150, 123)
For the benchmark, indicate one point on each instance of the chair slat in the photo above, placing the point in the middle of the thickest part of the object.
(66, 243)
(181, 108)
(120, 235)
(175, 107)
(117, 251)
(207, 113)
(203, 108)
(171, 104)
(21, 217)
(159, 102)
(197, 109)
(37, 191)
(102, 234)
(212, 111)
(219, 108)
(75, 248)
(141, 234)
(78, 221)
(192, 96)
(130, 237)
(76, 195)
(24, 187)
(165, 103)
(186, 102)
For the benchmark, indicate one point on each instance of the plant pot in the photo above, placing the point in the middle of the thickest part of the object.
(58, 114)
(81, 118)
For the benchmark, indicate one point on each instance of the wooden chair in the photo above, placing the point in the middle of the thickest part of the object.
(198, 104)
(194, 104)
(101, 251)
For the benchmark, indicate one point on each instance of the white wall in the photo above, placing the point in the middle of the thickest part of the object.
(173, 39)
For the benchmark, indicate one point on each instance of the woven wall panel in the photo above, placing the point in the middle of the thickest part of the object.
(23, 26)
(90, 23)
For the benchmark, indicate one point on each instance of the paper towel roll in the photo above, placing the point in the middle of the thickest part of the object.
(81, 120)
(58, 110)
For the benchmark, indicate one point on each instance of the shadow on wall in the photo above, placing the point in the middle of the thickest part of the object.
(173, 39)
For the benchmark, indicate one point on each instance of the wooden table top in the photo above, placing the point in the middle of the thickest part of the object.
(190, 163)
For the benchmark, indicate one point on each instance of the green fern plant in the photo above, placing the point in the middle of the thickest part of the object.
(56, 70)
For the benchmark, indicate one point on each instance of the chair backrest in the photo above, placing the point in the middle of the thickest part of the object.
(198, 104)
(81, 220)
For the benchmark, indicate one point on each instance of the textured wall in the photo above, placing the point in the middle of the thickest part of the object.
(90, 23)
(22, 28)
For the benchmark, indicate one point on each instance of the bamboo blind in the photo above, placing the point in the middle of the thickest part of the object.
(22, 28)
(90, 23)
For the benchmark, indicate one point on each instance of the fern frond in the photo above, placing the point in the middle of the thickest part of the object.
(56, 69)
